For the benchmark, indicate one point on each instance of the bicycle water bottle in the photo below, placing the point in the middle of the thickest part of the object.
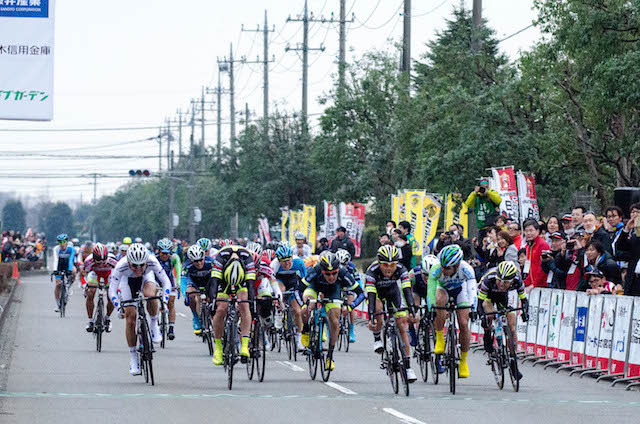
(278, 320)
(498, 331)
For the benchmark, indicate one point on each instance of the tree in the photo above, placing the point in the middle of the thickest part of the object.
(13, 215)
(58, 219)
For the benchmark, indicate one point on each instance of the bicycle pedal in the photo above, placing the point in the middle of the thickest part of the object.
(244, 359)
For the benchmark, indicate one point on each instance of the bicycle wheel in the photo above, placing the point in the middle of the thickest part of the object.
(392, 361)
(340, 334)
(323, 358)
(163, 325)
(497, 367)
(232, 348)
(421, 350)
(98, 324)
(512, 359)
(252, 346)
(402, 370)
(261, 354)
(63, 297)
(311, 352)
(346, 334)
(434, 359)
(146, 349)
(453, 362)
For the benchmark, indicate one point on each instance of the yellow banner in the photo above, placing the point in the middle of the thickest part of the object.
(284, 218)
(457, 213)
(402, 206)
(431, 208)
(395, 208)
(310, 225)
(295, 225)
(413, 200)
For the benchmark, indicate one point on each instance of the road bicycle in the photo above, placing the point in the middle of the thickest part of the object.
(392, 357)
(206, 326)
(257, 346)
(143, 335)
(424, 350)
(451, 357)
(504, 354)
(99, 316)
(289, 330)
(317, 350)
(231, 341)
(343, 330)
(65, 282)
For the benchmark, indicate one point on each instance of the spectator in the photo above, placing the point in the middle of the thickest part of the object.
(567, 225)
(598, 284)
(505, 250)
(577, 216)
(629, 241)
(401, 242)
(543, 229)
(614, 227)
(536, 277)
(595, 232)
(522, 259)
(7, 248)
(301, 248)
(454, 235)
(484, 202)
(341, 241)
(501, 222)
(553, 226)
(515, 231)
(405, 227)
(489, 244)
(597, 259)
(554, 262)
(390, 226)
(322, 245)
(384, 239)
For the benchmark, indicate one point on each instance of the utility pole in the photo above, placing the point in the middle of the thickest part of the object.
(305, 58)
(246, 116)
(406, 40)
(222, 67)
(192, 228)
(225, 65)
(265, 62)
(179, 134)
(168, 145)
(342, 61)
(202, 146)
(159, 149)
(172, 199)
(94, 202)
(477, 24)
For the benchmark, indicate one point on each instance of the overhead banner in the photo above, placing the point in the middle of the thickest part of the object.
(331, 220)
(504, 182)
(414, 200)
(456, 212)
(26, 59)
(284, 219)
(309, 225)
(402, 206)
(527, 197)
(431, 207)
(352, 218)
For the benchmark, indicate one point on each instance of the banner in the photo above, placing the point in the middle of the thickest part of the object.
(633, 365)
(456, 213)
(567, 322)
(395, 208)
(263, 227)
(414, 200)
(431, 207)
(309, 213)
(534, 303)
(284, 219)
(527, 197)
(543, 323)
(402, 206)
(504, 182)
(331, 220)
(554, 324)
(621, 329)
(593, 331)
(295, 225)
(26, 59)
(606, 332)
(352, 218)
(580, 330)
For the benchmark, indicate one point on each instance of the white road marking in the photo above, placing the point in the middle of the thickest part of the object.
(181, 314)
(292, 367)
(402, 417)
(340, 388)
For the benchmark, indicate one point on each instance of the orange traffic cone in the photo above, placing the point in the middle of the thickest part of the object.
(16, 273)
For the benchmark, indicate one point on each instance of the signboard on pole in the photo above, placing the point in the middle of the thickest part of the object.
(527, 197)
(504, 182)
(26, 59)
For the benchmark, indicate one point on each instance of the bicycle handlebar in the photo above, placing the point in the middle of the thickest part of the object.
(139, 298)
(503, 311)
(451, 308)
(392, 311)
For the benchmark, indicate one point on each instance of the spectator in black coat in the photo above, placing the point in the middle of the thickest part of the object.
(629, 242)
(342, 241)
(599, 259)
(555, 263)
(595, 232)
(403, 246)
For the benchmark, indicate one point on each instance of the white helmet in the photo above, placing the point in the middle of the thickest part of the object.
(138, 240)
(300, 236)
(343, 256)
(429, 261)
(283, 243)
(254, 247)
(124, 247)
(137, 254)
(195, 253)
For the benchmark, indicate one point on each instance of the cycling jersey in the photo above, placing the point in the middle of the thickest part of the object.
(353, 270)
(194, 277)
(419, 282)
(488, 290)
(315, 283)
(122, 278)
(461, 285)
(386, 288)
(63, 260)
(99, 270)
(289, 278)
(266, 284)
(172, 263)
(218, 286)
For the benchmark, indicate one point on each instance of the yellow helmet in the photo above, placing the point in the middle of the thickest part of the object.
(234, 273)
(127, 240)
(388, 253)
(507, 270)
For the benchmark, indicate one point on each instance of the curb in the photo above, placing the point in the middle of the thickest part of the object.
(5, 301)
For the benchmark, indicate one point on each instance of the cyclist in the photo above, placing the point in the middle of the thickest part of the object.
(453, 278)
(171, 263)
(85, 251)
(494, 290)
(122, 251)
(301, 249)
(63, 259)
(112, 248)
(98, 267)
(195, 277)
(267, 288)
(138, 271)
(233, 269)
(419, 277)
(329, 278)
(289, 271)
(381, 285)
(206, 245)
(344, 257)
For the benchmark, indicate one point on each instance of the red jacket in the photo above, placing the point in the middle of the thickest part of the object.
(536, 276)
(517, 241)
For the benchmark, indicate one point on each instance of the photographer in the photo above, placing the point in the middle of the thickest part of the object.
(554, 262)
(454, 235)
(484, 202)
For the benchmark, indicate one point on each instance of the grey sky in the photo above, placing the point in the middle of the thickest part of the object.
(131, 63)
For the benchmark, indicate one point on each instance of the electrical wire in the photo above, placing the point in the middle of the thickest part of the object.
(370, 15)
(394, 15)
(430, 11)
(517, 32)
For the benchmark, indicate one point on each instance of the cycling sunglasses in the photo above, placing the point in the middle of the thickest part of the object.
(330, 273)
(137, 265)
(63, 241)
(387, 263)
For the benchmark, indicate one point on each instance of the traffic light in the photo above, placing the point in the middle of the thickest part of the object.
(139, 173)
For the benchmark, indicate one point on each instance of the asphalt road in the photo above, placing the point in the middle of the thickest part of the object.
(50, 372)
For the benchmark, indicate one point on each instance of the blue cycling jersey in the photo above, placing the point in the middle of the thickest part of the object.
(290, 277)
(66, 259)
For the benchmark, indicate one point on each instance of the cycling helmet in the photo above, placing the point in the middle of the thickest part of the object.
(100, 252)
(205, 243)
(507, 270)
(62, 237)
(343, 256)
(137, 254)
(75, 241)
(284, 252)
(329, 262)
(300, 236)
(126, 240)
(388, 253)
(165, 245)
(124, 247)
(138, 240)
(256, 258)
(111, 246)
(254, 247)
(450, 255)
(270, 253)
(273, 245)
(226, 242)
(428, 261)
(233, 273)
(195, 253)
(88, 244)
(283, 243)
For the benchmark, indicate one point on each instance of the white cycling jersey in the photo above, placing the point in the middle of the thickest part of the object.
(464, 280)
(119, 279)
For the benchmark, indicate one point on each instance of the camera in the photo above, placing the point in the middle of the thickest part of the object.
(547, 253)
(482, 190)
(571, 244)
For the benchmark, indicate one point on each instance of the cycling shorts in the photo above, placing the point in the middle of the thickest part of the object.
(333, 295)
(94, 277)
(460, 296)
(502, 300)
(226, 291)
(420, 290)
(393, 297)
(130, 290)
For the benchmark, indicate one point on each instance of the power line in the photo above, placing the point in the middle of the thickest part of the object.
(394, 15)
(517, 32)
(367, 20)
(430, 11)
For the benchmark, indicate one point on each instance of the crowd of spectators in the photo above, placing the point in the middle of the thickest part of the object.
(18, 247)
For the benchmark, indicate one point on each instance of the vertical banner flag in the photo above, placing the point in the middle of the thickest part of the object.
(456, 213)
(295, 221)
(395, 208)
(352, 218)
(431, 207)
(263, 224)
(504, 182)
(527, 196)
(414, 200)
(402, 206)
(310, 225)
(26, 59)
(284, 219)
(330, 220)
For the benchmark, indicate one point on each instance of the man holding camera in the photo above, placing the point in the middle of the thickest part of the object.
(484, 202)
(554, 262)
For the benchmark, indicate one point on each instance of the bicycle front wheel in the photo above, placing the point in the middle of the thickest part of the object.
(391, 360)
(311, 353)
(324, 358)
(512, 359)
(453, 360)
(261, 354)
(421, 350)
(232, 349)
(98, 322)
(252, 346)
(402, 370)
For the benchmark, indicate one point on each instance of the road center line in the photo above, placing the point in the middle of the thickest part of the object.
(292, 367)
(340, 388)
(402, 417)
(181, 314)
